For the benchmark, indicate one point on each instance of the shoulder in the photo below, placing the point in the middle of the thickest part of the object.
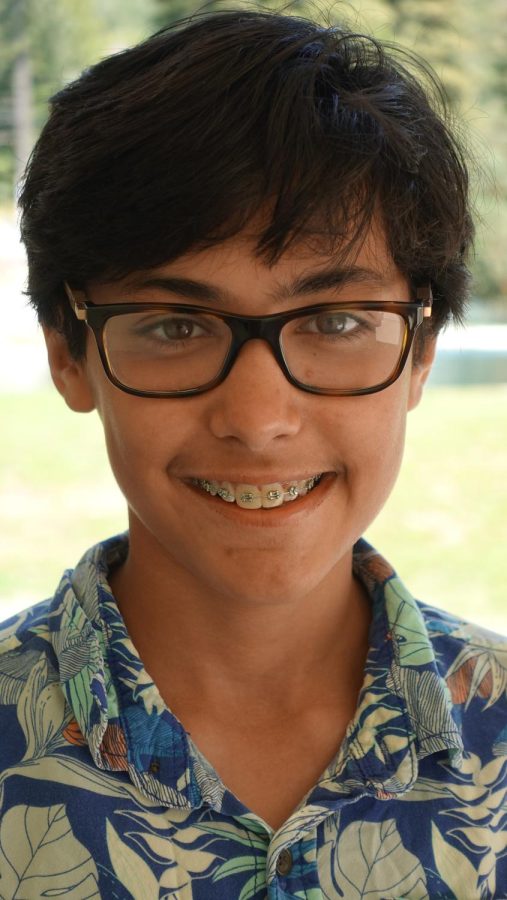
(473, 662)
(72, 613)
(15, 630)
(29, 680)
(454, 637)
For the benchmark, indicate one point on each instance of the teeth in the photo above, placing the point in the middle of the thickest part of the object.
(272, 495)
(248, 496)
(226, 492)
(251, 496)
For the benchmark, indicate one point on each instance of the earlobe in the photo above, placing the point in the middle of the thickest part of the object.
(420, 372)
(68, 374)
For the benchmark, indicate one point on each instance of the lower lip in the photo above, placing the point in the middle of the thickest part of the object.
(269, 518)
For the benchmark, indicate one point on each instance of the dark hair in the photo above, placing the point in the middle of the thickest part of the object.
(178, 142)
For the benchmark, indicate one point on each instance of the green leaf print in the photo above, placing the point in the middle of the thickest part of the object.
(254, 887)
(40, 856)
(371, 862)
(187, 852)
(238, 864)
(413, 646)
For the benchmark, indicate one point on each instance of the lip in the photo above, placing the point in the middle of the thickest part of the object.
(267, 518)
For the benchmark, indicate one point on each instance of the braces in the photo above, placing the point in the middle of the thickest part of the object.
(249, 497)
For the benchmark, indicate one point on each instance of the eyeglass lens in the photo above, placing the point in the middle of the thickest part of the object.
(339, 349)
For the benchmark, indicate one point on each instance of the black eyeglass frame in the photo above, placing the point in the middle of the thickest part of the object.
(248, 328)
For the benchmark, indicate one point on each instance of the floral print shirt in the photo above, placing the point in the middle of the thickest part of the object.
(104, 795)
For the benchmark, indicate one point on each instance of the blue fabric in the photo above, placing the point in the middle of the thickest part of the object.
(104, 794)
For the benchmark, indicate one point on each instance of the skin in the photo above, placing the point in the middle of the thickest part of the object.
(220, 606)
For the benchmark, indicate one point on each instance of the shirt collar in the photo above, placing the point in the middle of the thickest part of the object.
(404, 711)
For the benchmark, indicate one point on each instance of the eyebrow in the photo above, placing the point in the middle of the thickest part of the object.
(321, 280)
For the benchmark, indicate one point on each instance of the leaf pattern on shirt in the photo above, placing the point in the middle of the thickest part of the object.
(42, 712)
(82, 661)
(174, 840)
(120, 770)
(81, 776)
(164, 840)
(16, 668)
(453, 866)
(428, 703)
(479, 806)
(40, 856)
(412, 645)
(251, 866)
(129, 867)
(482, 816)
(368, 860)
(480, 669)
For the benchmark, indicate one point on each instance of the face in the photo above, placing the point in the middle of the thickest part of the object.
(254, 429)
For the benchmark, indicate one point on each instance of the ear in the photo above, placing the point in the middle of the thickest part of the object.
(420, 371)
(69, 375)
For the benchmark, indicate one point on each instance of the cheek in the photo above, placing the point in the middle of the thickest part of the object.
(136, 436)
(370, 432)
(140, 432)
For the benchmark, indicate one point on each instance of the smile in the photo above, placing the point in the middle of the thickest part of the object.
(252, 496)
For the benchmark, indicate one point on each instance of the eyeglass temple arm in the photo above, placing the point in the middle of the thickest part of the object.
(77, 306)
(425, 294)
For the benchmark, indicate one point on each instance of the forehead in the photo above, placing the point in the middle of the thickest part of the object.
(233, 274)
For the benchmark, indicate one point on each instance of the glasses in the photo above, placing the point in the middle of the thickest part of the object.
(178, 350)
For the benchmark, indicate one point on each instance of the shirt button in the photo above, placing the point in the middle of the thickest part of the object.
(284, 862)
(154, 767)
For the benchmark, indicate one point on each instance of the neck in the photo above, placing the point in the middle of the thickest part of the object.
(203, 647)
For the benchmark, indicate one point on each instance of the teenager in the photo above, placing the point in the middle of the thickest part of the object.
(243, 238)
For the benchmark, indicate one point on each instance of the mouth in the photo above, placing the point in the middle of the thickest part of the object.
(258, 496)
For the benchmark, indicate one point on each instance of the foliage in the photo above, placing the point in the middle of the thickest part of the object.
(60, 37)
(465, 42)
(468, 50)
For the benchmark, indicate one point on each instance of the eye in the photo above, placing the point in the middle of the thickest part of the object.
(173, 328)
(334, 323)
(178, 329)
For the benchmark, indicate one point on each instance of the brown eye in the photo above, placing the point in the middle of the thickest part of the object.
(334, 323)
(173, 328)
(177, 329)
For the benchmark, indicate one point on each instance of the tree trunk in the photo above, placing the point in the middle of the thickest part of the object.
(22, 104)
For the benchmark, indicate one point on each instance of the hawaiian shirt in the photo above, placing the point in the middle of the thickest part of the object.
(103, 794)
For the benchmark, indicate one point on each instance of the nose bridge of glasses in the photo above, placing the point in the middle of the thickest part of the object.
(252, 329)
(247, 329)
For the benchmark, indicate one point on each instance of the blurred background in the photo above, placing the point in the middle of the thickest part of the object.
(444, 528)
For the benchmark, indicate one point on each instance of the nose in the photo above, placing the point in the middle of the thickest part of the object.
(255, 405)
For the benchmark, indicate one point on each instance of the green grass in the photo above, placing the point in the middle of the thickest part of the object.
(444, 527)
